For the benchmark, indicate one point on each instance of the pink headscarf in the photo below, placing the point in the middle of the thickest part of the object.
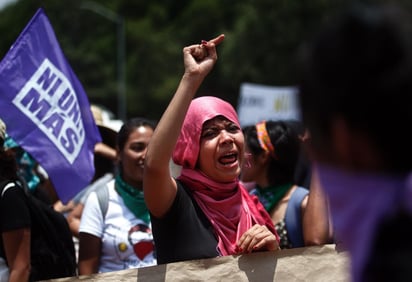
(228, 206)
(200, 110)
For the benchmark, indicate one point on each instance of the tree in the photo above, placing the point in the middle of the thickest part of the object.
(262, 37)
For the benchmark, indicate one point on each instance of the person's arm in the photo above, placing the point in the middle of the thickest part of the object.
(91, 232)
(105, 151)
(159, 186)
(73, 218)
(89, 253)
(316, 222)
(17, 248)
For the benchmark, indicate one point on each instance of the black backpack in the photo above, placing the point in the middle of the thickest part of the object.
(52, 248)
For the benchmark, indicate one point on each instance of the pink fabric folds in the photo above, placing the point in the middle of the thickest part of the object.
(200, 110)
(228, 206)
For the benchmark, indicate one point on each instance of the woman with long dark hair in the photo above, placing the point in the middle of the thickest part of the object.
(119, 237)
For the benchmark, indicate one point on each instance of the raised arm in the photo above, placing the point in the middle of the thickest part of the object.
(159, 186)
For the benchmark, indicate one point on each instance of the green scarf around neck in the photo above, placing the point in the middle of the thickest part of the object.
(270, 196)
(133, 199)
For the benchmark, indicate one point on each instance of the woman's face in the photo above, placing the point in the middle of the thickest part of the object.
(133, 155)
(249, 169)
(255, 168)
(221, 150)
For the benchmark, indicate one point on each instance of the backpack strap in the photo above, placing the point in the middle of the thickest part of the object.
(103, 198)
(83, 194)
(9, 184)
(293, 217)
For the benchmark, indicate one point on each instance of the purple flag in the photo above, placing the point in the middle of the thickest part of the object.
(46, 109)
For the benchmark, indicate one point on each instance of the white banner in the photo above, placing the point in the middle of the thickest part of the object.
(260, 102)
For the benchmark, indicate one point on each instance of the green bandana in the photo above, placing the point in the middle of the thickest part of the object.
(270, 196)
(133, 199)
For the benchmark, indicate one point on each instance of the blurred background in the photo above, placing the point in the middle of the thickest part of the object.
(127, 53)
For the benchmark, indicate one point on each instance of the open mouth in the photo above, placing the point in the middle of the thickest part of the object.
(228, 159)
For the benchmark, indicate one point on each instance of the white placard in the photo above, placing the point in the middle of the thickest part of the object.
(261, 102)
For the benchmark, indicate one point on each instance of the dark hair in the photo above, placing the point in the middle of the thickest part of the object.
(8, 165)
(286, 142)
(359, 69)
(129, 127)
(297, 126)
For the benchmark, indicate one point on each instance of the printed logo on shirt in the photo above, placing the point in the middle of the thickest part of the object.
(141, 238)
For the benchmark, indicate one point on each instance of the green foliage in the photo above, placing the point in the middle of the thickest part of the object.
(262, 38)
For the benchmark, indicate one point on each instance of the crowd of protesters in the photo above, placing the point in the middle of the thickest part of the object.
(355, 78)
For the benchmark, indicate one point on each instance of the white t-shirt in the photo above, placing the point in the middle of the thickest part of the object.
(127, 242)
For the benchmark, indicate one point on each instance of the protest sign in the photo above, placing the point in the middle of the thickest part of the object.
(46, 109)
(314, 264)
(262, 102)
